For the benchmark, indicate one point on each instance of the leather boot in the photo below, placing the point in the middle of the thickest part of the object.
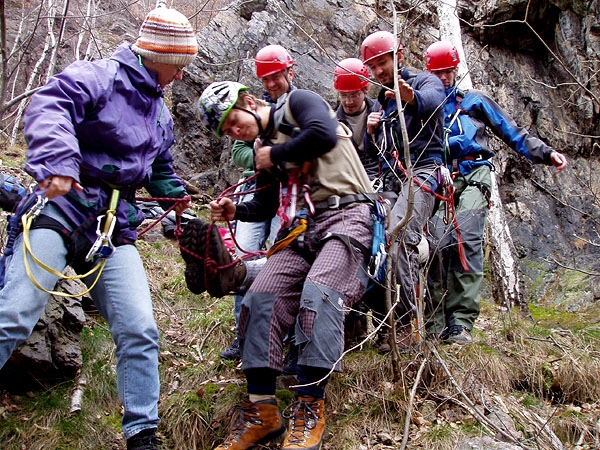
(212, 269)
(254, 424)
(307, 424)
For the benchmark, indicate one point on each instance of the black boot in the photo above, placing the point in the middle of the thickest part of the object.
(232, 353)
(144, 440)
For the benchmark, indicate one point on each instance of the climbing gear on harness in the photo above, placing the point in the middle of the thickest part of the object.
(289, 237)
(100, 251)
(486, 190)
(103, 246)
(376, 266)
(287, 209)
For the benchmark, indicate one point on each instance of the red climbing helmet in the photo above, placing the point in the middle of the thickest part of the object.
(272, 59)
(378, 43)
(441, 55)
(351, 75)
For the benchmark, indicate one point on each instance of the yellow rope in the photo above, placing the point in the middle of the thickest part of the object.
(27, 220)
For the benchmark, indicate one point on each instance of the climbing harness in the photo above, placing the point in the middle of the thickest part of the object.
(99, 252)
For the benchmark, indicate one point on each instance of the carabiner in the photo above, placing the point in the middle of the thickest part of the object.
(36, 209)
(102, 246)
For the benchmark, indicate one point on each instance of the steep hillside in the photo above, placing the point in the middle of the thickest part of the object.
(530, 378)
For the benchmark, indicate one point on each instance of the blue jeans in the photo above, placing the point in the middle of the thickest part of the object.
(123, 298)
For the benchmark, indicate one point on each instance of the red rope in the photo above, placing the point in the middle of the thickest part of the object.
(228, 193)
(176, 201)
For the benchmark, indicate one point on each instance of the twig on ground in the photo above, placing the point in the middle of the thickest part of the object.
(410, 404)
(199, 348)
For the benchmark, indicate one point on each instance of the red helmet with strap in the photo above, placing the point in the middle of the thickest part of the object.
(272, 59)
(351, 75)
(441, 55)
(378, 43)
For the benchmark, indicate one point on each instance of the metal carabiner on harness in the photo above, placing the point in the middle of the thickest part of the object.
(103, 246)
(377, 184)
(376, 261)
(36, 209)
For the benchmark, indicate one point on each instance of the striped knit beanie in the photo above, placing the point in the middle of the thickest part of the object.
(166, 36)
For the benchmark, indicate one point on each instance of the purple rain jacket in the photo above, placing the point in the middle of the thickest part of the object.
(103, 123)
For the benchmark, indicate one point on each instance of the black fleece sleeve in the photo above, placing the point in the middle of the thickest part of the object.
(317, 133)
(264, 203)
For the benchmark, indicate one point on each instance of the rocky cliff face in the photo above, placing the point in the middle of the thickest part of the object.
(543, 71)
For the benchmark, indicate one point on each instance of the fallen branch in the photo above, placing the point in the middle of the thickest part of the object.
(410, 404)
(199, 349)
(77, 396)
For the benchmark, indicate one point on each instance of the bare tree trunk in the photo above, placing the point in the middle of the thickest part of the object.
(3, 63)
(450, 31)
(56, 43)
(36, 70)
(506, 279)
(87, 27)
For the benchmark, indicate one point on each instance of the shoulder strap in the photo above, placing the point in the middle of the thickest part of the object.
(284, 121)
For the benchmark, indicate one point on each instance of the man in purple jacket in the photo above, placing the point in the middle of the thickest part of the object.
(96, 133)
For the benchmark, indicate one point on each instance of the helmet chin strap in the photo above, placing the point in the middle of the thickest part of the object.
(256, 117)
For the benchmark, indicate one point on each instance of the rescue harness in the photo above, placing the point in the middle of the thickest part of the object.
(84, 259)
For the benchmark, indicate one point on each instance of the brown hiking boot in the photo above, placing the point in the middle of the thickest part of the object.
(254, 424)
(212, 271)
(193, 234)
(307, 424)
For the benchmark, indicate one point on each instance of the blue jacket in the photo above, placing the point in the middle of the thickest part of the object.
(423, 122)
(466, 117)
(105, 124)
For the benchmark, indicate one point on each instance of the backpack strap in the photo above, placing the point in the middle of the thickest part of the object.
(284, 121)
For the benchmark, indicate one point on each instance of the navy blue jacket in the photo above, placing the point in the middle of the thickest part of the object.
(424, 123)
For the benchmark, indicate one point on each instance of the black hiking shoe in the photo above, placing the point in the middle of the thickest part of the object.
(193, 239)
(458, 334)
(144, 440)
(232, 353)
